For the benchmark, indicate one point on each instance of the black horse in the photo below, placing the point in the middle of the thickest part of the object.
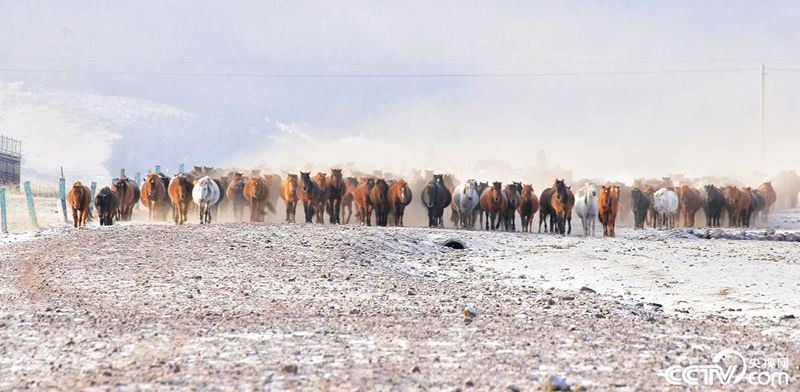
(436, 197)
(713, 205)
(640, 204)
(106, 203)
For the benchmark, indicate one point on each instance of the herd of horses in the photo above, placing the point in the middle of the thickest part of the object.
(491, 206)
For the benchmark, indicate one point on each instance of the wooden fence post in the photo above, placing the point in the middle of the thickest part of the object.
(3, 210)
(91, 201)
(62, 193)
(31, 210)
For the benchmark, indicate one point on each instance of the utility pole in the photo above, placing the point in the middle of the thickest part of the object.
(763, 72)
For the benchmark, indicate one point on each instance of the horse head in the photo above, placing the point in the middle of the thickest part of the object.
(497, 191)
(732, 195)
(430, 191)
(470, 188)
(527, 191)
(438, 178)
(402, 191)
(560, 190)
(305, 178)
(336, 175)
(153, 179)
(591, 189)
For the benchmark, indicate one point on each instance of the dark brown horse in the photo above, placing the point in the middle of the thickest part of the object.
(562, 201)
(379, 198)
(79, 198)
(351, 183)
(399, 197)
(180, 193)
(128, 195)
(336, 191)
(235, 194)
(256, 192)
(288, 193)
(514, 200)
(738, 205)
(309, 195)
(546, 212)
(528, 206)
(153, 195)
(607, 207)
(495, 202)
(362, 200)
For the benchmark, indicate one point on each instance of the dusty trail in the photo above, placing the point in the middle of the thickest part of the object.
(242, 306)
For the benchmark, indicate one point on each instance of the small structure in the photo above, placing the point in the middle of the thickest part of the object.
(10, 160)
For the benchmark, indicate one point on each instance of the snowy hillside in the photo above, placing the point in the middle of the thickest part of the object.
(84, 132)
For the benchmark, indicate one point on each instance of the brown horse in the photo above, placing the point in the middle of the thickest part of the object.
(495, 203)
(650, 192)
(362, 200)
(351, 183)
(235, 193)
(180, 193)
(562, 202)
(528, 206)
(770, 196)
(336, 190)
(288, 193)
(399, 197)
(690, 202)
(379, 198)
(153, 194)
(324, 194)
(256, 192)
(128, 195)
(607, 207)
(737, 202)
(79, 198)
(546, 211)
(309, 194)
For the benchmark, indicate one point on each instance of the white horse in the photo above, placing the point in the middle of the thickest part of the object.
(586, 207)
(465, 198)
(666, 203)
(205, 194)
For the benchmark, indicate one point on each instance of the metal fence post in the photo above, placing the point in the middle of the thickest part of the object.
(158, 169)
(31, 210)
(138, 178)
(180, 168)
(91, 201)
(62, 193)
(3, 210)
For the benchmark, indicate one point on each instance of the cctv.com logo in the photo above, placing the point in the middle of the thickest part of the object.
(735, 373)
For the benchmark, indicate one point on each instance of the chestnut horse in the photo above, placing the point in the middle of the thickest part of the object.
(153, 194)
(770, 196)
(379, 197)
(528, 206)
(691, 202)
(607, 205)
(495, 203)
(400, 196)
(288, 191)
(738, 205)
(337, 190)
(235, 193)
(180, 193)
(562, 201)
(309, 194)
(256, 192)
(128, 195)
(351, 183)
(324, 195)
(79, 198)
(362, 200)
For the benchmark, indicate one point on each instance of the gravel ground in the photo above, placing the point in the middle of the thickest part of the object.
(240, 306)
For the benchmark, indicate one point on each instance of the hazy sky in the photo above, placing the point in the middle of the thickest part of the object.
(614, 125)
